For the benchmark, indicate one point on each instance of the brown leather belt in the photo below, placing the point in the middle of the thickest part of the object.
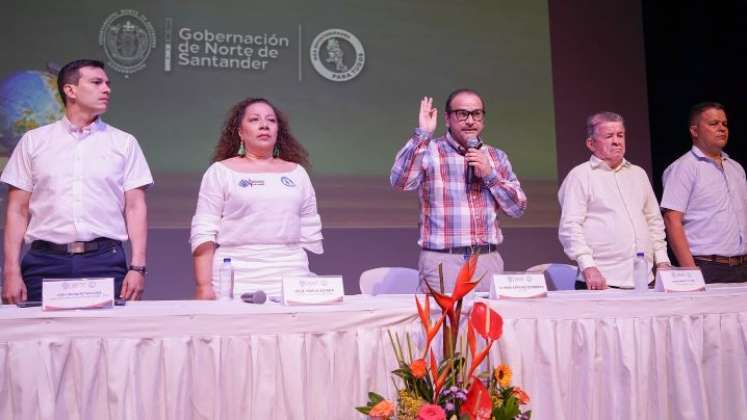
(73, 247)
(731, 261)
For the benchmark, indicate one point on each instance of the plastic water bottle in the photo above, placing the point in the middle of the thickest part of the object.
(640, 273)
(225, 280)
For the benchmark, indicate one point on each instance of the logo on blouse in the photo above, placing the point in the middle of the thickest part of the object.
(287, 182)
(250, 183)
(337, 55)
(127, 38)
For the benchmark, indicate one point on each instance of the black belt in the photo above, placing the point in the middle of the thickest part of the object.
(467, 250)
(74, 247)
(732, 261)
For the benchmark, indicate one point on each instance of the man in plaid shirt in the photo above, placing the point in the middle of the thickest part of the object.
(462, 184)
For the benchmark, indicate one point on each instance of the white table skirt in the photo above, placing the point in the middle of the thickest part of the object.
(617, 355)
(198, 360)
(590, 355)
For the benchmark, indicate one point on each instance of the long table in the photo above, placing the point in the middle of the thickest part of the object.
(580, 355)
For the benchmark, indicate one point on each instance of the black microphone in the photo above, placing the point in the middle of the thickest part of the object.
(472, 143)
(259, 297)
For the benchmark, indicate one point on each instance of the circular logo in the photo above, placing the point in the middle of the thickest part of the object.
(337, 55)
(245, 183)
(287, 182)
(127, 38)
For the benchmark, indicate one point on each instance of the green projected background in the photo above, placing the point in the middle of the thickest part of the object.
(397, 52)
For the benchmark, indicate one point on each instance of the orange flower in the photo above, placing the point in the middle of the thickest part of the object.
(520, 395)
(418, 368)
(503, 375)
(383, 408)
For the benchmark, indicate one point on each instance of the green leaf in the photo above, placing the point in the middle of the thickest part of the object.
(500, 414)
(365, 409)
(511, 407)
(423, 389)
(374, 398)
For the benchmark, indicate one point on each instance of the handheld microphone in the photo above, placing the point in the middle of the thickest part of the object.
(472, 143)
(259, 297)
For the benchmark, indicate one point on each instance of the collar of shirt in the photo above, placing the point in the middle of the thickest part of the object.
(700, 155)
(597, 163)
(83, 132)
(455, 144)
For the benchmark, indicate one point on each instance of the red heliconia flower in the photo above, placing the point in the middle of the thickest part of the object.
(486, 321)
(478, 404)
(464, 284)
(478, 358)
(434, 366)
(425, 318)
(438, 380)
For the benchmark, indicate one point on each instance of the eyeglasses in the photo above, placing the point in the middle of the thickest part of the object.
(463, 114)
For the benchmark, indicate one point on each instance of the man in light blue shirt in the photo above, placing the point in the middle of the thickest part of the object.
(705, 201)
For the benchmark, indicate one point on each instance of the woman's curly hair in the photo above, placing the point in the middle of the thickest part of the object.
(286, 147)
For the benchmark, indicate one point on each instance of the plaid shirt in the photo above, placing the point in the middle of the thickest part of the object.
(455, 214)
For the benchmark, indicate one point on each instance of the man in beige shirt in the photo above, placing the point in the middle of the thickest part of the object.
(609, 211)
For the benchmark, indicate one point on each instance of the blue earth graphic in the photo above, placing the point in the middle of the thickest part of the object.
(28, 99)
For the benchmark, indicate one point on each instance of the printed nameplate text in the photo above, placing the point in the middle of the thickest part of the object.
(319, 290)
(80, 293)
(678, 279)
(518, 285)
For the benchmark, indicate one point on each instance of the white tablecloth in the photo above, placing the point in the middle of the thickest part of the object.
(198, 360)
(617, 355)
(591, 355)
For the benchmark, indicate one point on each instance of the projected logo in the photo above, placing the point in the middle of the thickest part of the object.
(337, 55)
(127, 38)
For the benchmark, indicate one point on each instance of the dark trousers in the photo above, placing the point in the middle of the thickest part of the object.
(108, 261)
(714, 272)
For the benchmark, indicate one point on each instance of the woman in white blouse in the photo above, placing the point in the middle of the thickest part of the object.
(256, 205)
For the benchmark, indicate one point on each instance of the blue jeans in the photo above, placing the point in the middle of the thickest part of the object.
(108, 261)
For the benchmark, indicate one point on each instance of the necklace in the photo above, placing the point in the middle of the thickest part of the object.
(252, 156)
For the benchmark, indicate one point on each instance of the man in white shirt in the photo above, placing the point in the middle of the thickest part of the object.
(705, 201)
(609, 211)
(76, 191)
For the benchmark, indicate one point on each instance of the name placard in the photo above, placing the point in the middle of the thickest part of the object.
(81, 293)
(679, 279)
(522, 285)
(319, 290)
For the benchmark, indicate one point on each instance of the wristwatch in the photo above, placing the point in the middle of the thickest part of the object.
(139, 268)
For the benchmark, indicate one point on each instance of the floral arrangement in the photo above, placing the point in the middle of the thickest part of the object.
(451, 388)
